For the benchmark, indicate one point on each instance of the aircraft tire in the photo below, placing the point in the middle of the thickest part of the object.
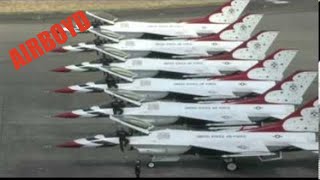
(232, 166)
(151, 165)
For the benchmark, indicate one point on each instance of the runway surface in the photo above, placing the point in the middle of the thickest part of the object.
(28, 135)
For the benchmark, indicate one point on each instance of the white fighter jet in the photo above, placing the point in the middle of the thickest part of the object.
(256, 80)
(227, 40)
(278, 102)
(213, 23)
(296, 132)
(240, 59)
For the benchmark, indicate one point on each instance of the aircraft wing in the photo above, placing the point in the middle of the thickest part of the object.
(204, 53)
(221, 117)
(125, 95)
(119, 72)
(108, 20)
(237, 148)
(177, 37)
(202, 75)
(196, 53)
(111, 52)
(226, 92)
(133, 123)
(109, 35)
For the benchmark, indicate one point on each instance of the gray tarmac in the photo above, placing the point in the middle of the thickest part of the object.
(28, 134)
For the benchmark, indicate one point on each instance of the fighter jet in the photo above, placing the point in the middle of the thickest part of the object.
(278, 102)
(227, 40)
(240, 59)
(296, 132)
(256, 80)
(115, 30)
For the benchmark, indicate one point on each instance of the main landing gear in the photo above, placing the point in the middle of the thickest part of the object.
(151, 164)
(230, 164)
(105, 60)
(155, 159)
(117, 106)
(111, 81)
(99, 41)
(96, 23)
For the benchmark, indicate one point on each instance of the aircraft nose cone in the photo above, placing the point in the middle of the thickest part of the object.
(64, 90)
(67, 115)
(70, 144)
(62, 69)
(59, 50)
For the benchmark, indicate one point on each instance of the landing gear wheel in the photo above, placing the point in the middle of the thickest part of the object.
(150, 164)
(232, 166)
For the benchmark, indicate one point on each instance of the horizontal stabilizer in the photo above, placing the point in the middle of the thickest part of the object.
(108, 35)
(133, 123)
(127, 96)
(119, 72)
(111, 52)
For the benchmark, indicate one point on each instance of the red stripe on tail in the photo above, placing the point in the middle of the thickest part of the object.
(216, 37)
(278, 126)
(261, 99)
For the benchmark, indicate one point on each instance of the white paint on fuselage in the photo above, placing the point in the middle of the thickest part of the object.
(189, 66)
(173, 142)
(159, 111)
(198, 87)
(140, 47)
(170, 142)
(211, 112)
(137, 29)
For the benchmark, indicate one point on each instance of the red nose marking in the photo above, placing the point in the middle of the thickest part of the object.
(64, 90)
(67, 115)
(59, 50)
(62, 69)
(70, 144)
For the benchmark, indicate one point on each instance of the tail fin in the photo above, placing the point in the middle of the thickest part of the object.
(226, 14)
(240, 30)
(305, 119)
(253, 49)
(272, 68)
(292, 89)
(288, 91)
(256, 47)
